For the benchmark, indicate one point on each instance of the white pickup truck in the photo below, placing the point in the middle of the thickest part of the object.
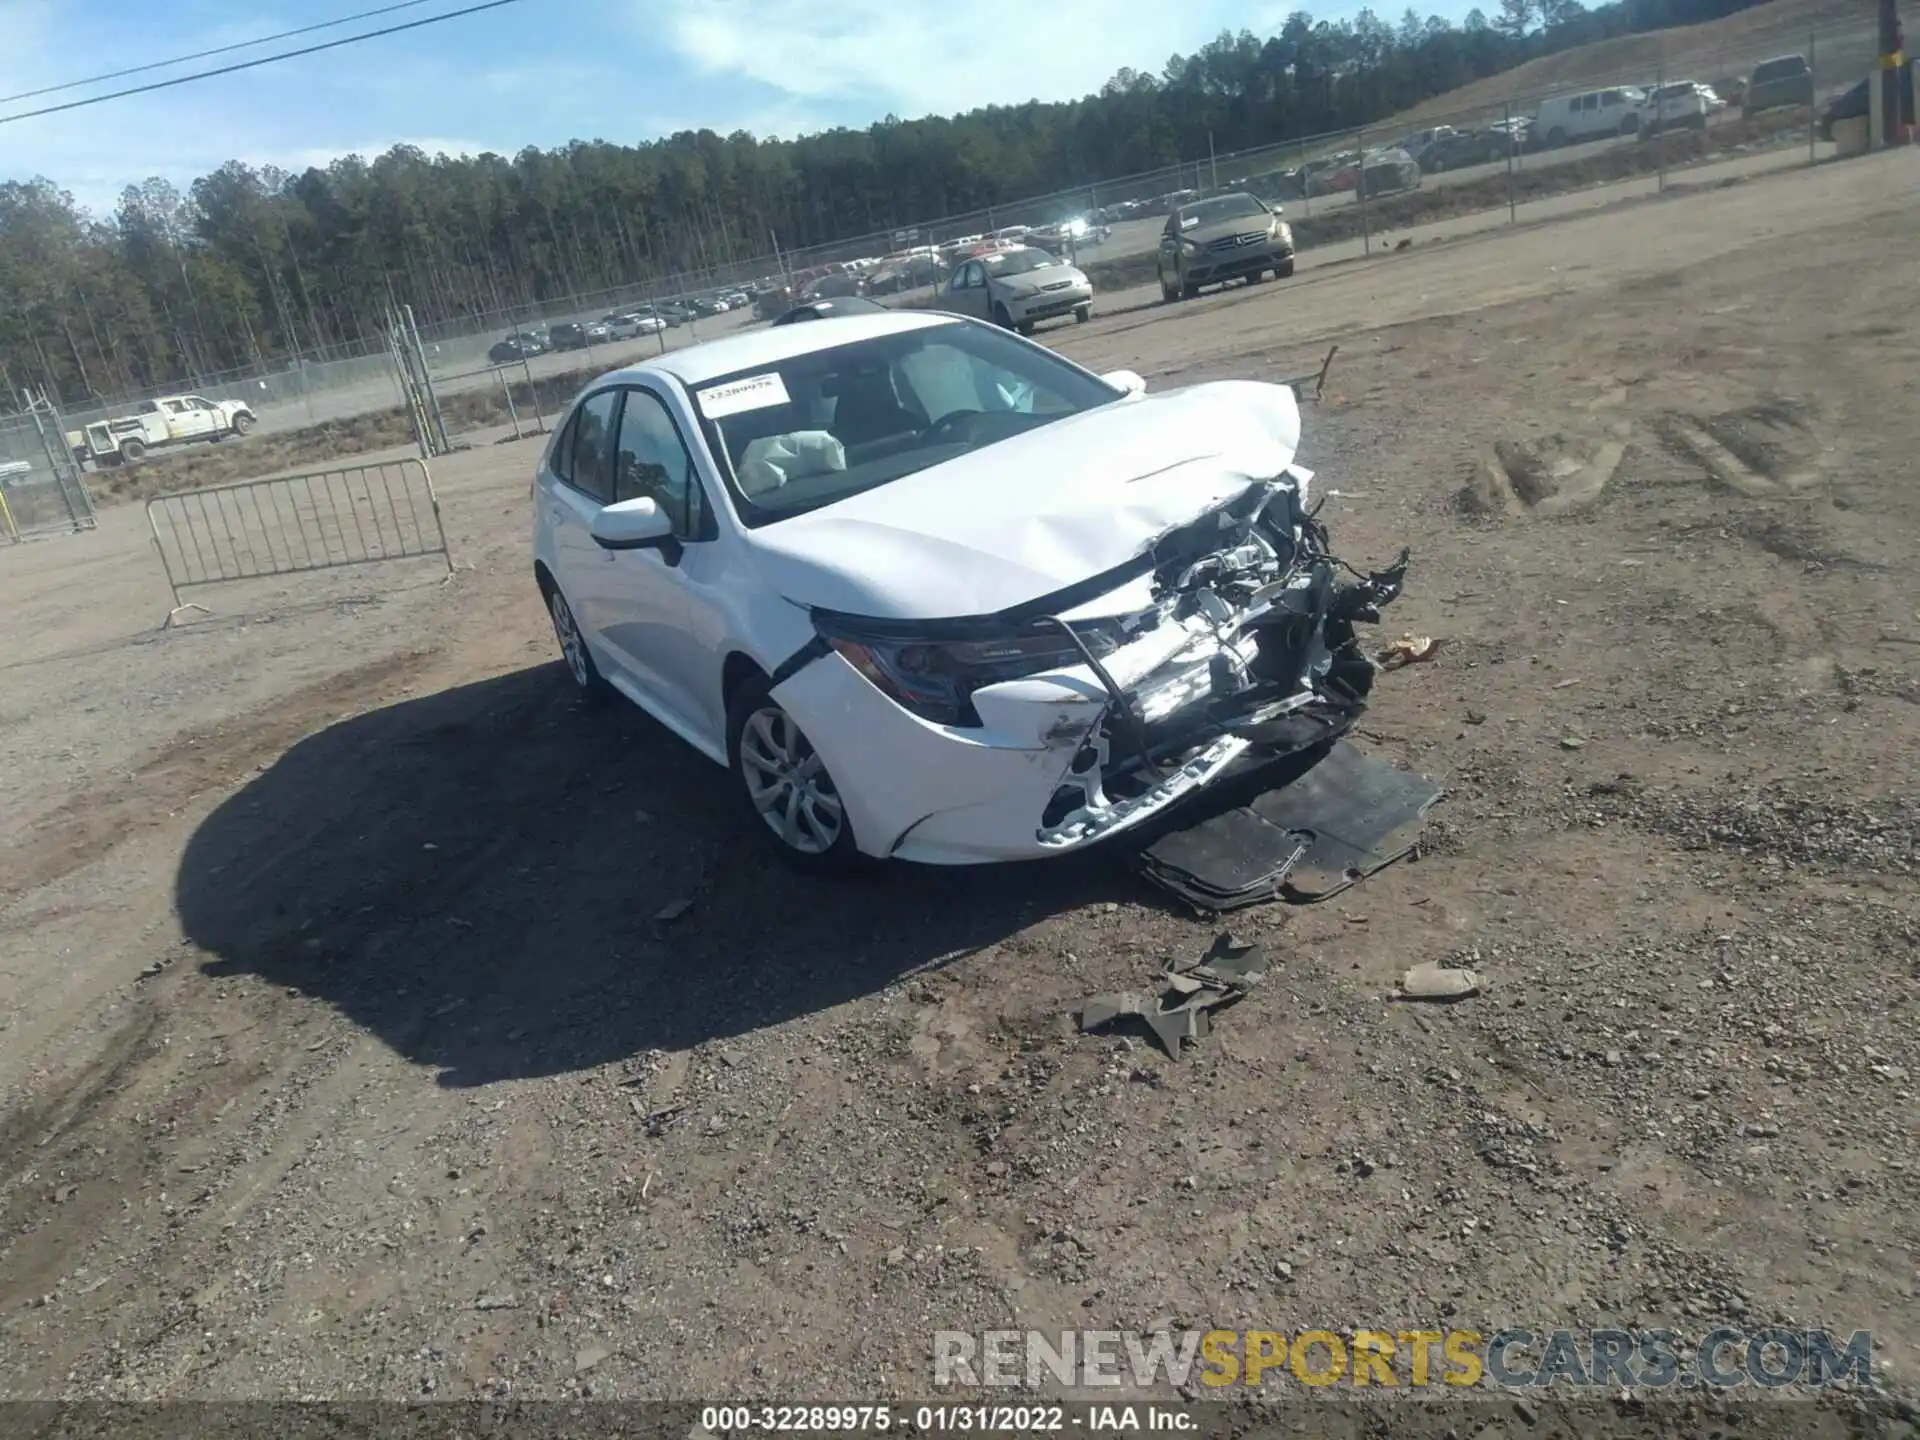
(156, 424)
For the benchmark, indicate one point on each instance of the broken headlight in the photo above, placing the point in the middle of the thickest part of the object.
(934, 674)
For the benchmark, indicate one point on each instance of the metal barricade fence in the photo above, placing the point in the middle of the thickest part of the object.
(323, 520)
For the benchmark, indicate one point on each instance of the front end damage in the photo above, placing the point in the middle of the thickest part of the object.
(1071, 718)
(1260, 653)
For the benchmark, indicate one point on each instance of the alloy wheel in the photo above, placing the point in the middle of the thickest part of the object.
(572, 647)
(788, 782)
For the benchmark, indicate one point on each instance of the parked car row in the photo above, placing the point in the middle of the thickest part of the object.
(650, 319)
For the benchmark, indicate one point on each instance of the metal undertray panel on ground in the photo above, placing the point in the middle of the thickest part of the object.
(1303, 840)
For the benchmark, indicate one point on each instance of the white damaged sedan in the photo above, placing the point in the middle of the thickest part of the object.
(930, 591)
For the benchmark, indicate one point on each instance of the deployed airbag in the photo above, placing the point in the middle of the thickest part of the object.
(774, 460)
(1303, 841)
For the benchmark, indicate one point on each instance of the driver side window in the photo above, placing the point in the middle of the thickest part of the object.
(651, 459)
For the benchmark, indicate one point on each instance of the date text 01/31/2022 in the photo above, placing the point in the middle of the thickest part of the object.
(934, 1419)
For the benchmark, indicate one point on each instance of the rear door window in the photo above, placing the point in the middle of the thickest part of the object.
(591, 459)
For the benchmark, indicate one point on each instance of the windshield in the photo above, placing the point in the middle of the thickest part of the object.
(1017, 262)
(1225, 207)
(832, 423)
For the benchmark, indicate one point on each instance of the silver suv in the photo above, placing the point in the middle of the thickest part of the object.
(1227, 237)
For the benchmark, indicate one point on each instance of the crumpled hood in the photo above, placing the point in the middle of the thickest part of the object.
(1022, 519)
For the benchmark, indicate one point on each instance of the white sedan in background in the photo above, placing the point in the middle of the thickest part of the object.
(928, 590)
(1018, 287)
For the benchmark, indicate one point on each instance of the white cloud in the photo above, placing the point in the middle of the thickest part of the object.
(916, 60)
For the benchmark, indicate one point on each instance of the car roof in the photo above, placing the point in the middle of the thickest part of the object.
(698, 364)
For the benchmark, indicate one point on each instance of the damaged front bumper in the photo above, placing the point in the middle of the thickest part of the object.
(1233, 635)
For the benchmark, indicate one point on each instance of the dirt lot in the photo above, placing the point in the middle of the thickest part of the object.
(335, 1008)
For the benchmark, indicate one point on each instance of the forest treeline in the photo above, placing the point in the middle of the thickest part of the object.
(251, 267)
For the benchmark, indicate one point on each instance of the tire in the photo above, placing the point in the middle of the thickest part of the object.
(1168, 294)
(1630, 125)
(242, 423)
(1001, 317)
(1283, 271)
(1696, 122)
(1025, 327)
(795, 821)
(1556, 137)
(1082, 314)
(578, 659)
(132, 452)
(1188, 289)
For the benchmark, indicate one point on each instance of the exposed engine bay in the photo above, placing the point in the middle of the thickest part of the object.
(1258, 650)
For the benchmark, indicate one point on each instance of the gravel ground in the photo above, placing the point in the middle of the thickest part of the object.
(345, 1055)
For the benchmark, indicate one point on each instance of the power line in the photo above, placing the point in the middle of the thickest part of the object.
(208, 54)
(256, 62)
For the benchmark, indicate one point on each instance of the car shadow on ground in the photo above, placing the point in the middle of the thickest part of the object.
(481, 876)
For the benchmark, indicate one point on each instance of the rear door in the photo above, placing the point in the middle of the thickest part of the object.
(967, 292)
(576, 482)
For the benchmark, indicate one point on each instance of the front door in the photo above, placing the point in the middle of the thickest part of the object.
(186, 420)
(646, 620)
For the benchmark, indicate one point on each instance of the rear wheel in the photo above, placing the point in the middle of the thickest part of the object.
(785, 785)
(131, 452)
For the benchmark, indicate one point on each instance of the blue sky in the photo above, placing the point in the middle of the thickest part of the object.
(544, 72)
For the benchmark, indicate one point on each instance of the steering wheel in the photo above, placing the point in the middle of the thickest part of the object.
(950, 428)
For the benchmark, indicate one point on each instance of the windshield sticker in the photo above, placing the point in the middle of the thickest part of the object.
(1187, 222)
(754, 393)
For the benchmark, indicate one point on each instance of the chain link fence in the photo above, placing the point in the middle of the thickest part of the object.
(41, 488)
(1680, 105)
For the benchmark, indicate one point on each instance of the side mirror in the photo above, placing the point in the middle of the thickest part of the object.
(1127, 382)
(638, 524)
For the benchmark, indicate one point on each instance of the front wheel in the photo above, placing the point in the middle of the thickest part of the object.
(581, 668)
(1002, 317)
(1283, 271)
(1168, 293)
(785, 783)
(1082, 314)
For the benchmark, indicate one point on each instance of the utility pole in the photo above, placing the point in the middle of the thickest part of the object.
(1891, 117)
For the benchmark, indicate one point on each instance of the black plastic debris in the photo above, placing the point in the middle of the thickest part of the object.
(1321, 831)
(1192, 991)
